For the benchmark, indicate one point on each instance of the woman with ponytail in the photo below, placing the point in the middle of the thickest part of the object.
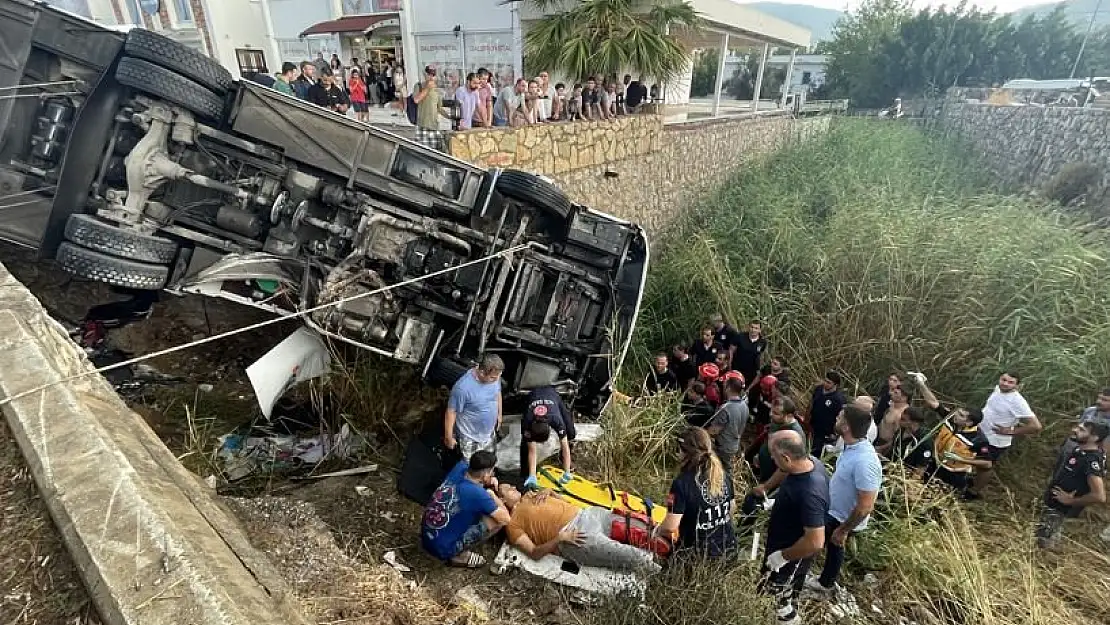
(700, 502)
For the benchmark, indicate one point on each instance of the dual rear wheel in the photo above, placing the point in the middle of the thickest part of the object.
(163, 69)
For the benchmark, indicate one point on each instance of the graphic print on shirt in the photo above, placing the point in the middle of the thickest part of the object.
(718, 508)
(441, 508)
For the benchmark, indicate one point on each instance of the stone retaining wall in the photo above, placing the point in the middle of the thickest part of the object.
(693, 160)
(1028, 145)
(636, 168)
(560, 147)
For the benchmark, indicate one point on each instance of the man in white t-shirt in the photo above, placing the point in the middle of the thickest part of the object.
(1005, 415)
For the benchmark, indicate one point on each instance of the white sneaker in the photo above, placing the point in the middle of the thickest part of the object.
(813, 584)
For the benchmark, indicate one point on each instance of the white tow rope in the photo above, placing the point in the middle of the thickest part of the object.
(211, 339)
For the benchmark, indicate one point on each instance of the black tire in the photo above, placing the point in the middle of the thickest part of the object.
(86, 263)
(100, 236)
(183, 60)
(531, 189)
(164, 84)
(445, 372)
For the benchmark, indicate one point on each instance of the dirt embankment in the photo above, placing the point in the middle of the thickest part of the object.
(327, 537)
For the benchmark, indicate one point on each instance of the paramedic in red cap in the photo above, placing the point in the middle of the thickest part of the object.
(760, 400)
(708, 374)
(768, 392)
(724, 367)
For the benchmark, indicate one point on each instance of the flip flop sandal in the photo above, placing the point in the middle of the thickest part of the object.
(472, 561)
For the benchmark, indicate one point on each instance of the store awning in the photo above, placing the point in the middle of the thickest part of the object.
(349, 24)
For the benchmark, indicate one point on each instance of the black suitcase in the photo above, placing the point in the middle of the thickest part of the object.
(425, 465)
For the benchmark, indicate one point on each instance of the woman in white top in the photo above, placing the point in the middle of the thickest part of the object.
(399, 87)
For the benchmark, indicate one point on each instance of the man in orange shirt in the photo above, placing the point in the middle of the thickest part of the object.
(542, 523)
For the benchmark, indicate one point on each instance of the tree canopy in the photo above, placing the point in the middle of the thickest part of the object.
(884, 50)
(604, 37)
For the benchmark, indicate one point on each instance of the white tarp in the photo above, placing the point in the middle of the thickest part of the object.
(561, 571)
(508, 450)
(300, 357)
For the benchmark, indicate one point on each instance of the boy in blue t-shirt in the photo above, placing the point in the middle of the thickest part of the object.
(463, 512)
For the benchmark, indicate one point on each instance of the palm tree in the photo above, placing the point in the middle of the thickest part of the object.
(604, 37)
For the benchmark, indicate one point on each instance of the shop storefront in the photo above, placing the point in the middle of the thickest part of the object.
(380, 46)
(454, 55)
(372, 39)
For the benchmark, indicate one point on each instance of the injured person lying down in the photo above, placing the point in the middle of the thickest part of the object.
(543, 523)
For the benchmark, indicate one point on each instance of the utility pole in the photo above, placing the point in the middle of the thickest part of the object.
(1083, 46)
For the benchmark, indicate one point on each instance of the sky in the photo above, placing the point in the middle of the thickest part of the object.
(1002, 6)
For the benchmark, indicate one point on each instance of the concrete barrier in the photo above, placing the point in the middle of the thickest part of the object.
(151, 542)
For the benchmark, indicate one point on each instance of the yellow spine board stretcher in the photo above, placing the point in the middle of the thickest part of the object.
(585, 493)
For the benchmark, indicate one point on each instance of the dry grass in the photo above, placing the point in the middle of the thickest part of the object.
(878, 247)
(38, 582)
(334, 587)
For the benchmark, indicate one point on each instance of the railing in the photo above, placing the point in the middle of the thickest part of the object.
(812, 107)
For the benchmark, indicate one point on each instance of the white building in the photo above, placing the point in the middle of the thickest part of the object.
(233, 31)
(809, 70)
(454, 36)
(729, 26)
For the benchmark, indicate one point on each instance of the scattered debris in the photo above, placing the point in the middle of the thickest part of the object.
(390, 558)
(844, 605)
(755, 547)
(370, 468)
(870, 579)
(205, 388)
(584, 599)
(212, 482)
(245, 455)
(302, 356)
(363, 491)
(470, 601)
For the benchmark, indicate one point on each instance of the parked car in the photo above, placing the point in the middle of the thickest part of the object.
(133, 160)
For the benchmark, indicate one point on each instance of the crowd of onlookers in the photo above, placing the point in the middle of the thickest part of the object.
(479, 101)
(739, 397)
(354, 88)
(731, 396)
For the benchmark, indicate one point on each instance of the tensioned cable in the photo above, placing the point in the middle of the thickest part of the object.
(261, 324)
(44, 94)
(56, 83)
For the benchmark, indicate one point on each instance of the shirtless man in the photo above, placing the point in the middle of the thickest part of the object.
(889, 423)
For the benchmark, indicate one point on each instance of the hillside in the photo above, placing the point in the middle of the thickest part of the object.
(819, 21)
(1078, 11)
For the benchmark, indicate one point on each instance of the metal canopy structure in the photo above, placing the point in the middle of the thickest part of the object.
(745, 26)
(351, 24)
(727, 24)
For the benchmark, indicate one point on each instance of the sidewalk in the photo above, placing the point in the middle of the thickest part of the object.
(395, 121)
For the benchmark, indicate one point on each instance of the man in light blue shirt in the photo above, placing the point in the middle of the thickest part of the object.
(852, 491)
(468, 98)
(473, 413)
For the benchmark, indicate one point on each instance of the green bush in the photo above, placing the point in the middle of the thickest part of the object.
(879, 247)
(1074, 181)
(874, 247)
